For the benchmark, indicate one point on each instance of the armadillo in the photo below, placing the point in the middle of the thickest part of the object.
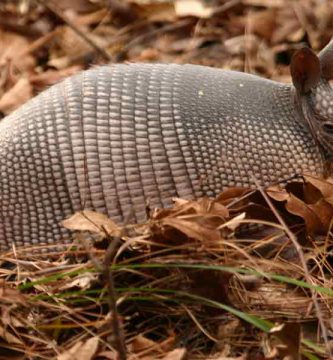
(118, 137)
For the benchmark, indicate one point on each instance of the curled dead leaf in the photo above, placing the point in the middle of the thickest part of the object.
(277, 193)
(83, 281)
(17, 95)
(231, 194)
(196, 8)
(13, 47)
(81, 350)
(201, 207)
(300, 208)
(141, 343)
(192, 229)
(10, 295)
(176, 354)
(8, 337)
(324, 186)
(234, 223)
(285, 341)
(92, 221)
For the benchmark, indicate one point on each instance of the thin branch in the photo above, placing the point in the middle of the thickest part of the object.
(51, 6)
(118, 333)
(108, 276)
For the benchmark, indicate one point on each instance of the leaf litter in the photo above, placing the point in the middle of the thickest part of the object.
(169, 271)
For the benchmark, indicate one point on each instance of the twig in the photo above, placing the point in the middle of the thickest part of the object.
(107, 274)
(148, 35)
(118, 333)
(225, 7)
(51, 6)
(301, 256)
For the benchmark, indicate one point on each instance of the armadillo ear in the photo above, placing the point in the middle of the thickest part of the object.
(326, 60)
(305, 70)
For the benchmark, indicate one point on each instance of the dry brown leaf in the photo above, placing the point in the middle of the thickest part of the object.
(141, 343)
(223, 357)
(83, 281)
(286, 340)
(210, 206)
(81, 350)
(158, 11)
(288, 26)
(226, 328)
(234, 222)
(51, 77)
(92, 221)
(325, 187)
(177, 354)
(265, 3)
(111, 355)
(263, 23)
(13, 47)
(76, 5)
(277, 193)
(312, 221)
(202, 207)
(92, 18)
(68, 45)
(10, 295)
(242, 44)
(8, 337)
(197, 8)
(231, 194)
(324, 211)
(192, 230)
(20, 93)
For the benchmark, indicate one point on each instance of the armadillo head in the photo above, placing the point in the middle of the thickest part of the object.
(311, 76)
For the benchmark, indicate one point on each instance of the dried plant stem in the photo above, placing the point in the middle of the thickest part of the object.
(118, 333)
(112, 301)
(51, 6)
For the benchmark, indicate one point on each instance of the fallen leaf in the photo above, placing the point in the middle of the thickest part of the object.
(202, 207)
(265, 3)
(76, 5)
(88, 220)
(277, 193)
(158, 11)
(242, 44)
(81, 350)
(177, 354)
(197, 8)
(231, 194)
(13, 47)
(17, 95)
(286, 340)
(141, 343)
(111, 355)
(83, 281)
(324, 211)
(68, 46)
(8, 337)
(192, 229)
(11, 295)
(223, 357)
(233, 223)
(51, 77)
(263, 23)
(312, 221)
(325, 187)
